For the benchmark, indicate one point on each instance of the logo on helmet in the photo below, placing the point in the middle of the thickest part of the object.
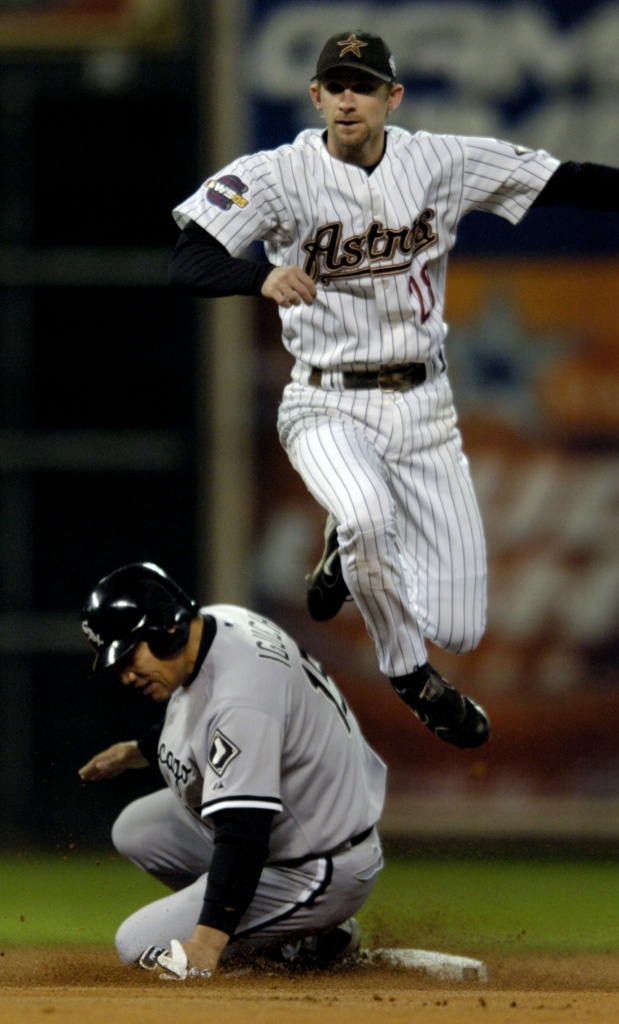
(93, 637)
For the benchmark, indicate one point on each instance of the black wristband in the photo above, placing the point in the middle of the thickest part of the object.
(241, 848)
(148, 744)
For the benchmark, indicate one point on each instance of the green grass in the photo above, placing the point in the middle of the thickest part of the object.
(465, 905)
(71, 900)
(493, 905)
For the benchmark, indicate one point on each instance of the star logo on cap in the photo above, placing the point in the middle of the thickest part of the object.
(351, 45)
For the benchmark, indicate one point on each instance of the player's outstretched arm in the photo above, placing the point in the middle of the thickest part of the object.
(289, 286)
(113, 761)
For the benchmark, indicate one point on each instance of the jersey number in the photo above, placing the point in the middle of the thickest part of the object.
(319, 679)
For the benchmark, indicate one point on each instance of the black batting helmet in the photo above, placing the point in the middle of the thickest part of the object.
(134, 603)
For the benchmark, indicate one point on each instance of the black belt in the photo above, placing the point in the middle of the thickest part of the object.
(362, 835)
(294, 861)
(389, 378)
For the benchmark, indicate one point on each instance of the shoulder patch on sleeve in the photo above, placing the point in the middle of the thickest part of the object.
(221, 752)
(225, 191)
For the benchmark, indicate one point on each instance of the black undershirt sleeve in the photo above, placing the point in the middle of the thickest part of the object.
(148, 744)
(203, 266)
(241, 848)
(589, 186)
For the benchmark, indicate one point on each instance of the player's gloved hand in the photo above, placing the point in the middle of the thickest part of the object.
(437, 704)
(173, 962)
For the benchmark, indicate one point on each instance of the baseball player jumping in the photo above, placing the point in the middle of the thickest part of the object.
(357, 221)
(266, 827)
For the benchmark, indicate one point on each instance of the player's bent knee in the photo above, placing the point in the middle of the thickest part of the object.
(126, 946)
(368, 548)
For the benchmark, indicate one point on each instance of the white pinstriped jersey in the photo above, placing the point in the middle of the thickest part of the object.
(263, 726)
(376, 245)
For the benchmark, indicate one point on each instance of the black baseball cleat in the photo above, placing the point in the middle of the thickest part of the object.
(324, 949)
(339, 944)
(326, 591)
(437, 704)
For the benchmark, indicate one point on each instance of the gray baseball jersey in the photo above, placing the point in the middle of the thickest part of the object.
(263, 726)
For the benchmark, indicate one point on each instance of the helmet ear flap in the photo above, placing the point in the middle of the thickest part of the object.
(165, 644)
(167, 622)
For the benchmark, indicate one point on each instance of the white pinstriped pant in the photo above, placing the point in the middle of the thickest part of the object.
(389, 466)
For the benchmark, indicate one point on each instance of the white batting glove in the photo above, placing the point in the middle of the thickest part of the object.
(173, 961)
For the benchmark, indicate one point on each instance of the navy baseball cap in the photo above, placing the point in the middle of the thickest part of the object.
(359, 50)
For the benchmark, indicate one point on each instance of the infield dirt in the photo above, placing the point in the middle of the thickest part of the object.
(89, 986)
